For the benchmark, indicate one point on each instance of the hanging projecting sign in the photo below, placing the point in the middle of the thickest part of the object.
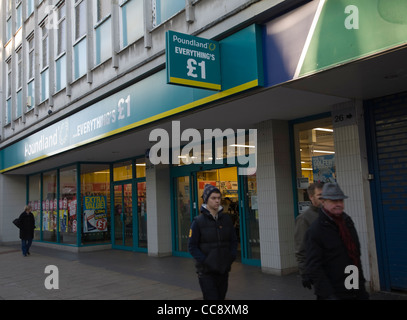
(193, 61)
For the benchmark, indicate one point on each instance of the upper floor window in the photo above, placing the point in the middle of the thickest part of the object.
(9, 69)
(132, 21)
(19, 16)
(61, 31)
(103, 9)
(80, 19)
(60, 47)
(30, 72)
(8, 92)
(9, 24)
(30, 7)
(31, 57)
(80, 41)
(103, 31)
(19, 83)
(44, 61)
(164, 9)
(19, 75)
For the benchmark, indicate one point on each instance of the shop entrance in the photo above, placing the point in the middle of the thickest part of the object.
(123, 215)
(239, 200)
(129, 209)
(130, 222)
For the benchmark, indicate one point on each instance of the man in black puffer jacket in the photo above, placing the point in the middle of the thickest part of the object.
(213, 244)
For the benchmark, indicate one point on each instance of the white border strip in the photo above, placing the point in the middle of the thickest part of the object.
(309, 38)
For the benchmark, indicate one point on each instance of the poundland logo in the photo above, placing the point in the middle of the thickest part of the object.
(46, 142)
(42, 144)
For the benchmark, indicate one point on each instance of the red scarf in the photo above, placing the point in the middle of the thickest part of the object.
(347, 239)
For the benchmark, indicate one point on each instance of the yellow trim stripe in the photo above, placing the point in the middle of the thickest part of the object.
(214, 97)
(194, 83)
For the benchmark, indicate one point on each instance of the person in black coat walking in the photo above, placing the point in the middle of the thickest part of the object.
(26, 223)
(213, 244)
(332, 246)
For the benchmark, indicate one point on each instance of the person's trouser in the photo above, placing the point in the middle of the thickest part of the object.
(213, 286)
(25, 246)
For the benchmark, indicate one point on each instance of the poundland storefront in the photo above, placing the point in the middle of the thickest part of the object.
(89, 177)
(311, 82)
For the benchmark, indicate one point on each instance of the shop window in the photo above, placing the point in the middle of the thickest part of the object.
(122, 171)
(68, 206)
(141, 168)
(232, 150)
(49, 206)
(183, 212)
(34, 196)
(95, 203)
(315, 156)
(142, 214)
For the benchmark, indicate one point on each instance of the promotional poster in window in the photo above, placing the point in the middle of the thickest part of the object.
(94, 214)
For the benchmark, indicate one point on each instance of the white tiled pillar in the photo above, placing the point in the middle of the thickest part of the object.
(352, 175)
(158, 210)
(275, 198)
(12, 202)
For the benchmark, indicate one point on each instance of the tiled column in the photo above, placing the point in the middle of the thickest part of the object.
(275, 198)
(352, 176)
(158, 211)
(12, 202)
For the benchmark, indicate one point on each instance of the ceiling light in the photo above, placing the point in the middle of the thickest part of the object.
(324, 129)
(324, 151)
(241, 146)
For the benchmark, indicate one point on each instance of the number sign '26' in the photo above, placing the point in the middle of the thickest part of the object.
(193, 61)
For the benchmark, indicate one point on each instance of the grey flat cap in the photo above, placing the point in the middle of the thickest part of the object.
(332, 191)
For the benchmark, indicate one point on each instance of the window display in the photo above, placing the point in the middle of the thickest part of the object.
(315, 156)
(34, 193)
(68, 205)
(49, 206)
(62, 216)
(95, 203)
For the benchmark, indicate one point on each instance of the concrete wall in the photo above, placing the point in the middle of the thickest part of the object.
(275, 198)
(352, 176)
(12, 202)
(159, 231)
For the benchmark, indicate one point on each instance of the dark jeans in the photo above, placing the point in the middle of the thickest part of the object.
(25, 246)
(214, 286)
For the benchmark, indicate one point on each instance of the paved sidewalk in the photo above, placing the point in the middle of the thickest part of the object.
(122, 275)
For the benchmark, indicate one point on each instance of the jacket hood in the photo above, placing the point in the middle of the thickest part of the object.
(205, 210)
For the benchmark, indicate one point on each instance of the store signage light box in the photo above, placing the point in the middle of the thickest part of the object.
(193, 61)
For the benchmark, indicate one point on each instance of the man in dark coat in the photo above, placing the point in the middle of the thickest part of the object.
(302, 223)
(333, 251)
(27, 225)
(213, 244)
